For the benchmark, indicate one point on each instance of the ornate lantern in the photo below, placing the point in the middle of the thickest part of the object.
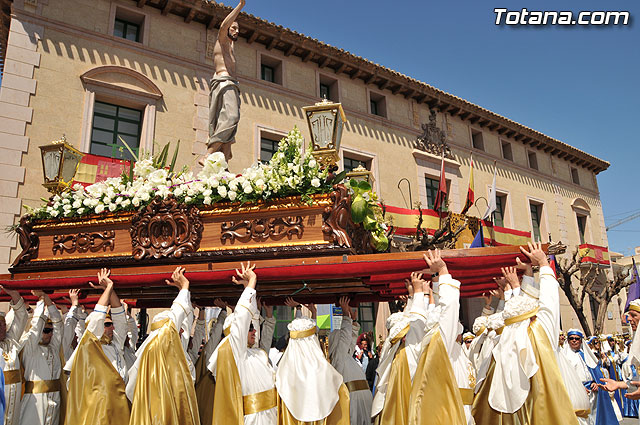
(59, 165)
(360, 173)
(326, 121)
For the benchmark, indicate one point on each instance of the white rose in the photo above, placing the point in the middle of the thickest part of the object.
(136, 202)
(248, 189)
(207, 192)
(99, 208)
(54, 213)
(207, 200)
(313, 163)
(232, 195)
(80, 211)
(178, 191)
(222, 191)
(126, 203)
(315, 182)
(188, 199)
(119, 200)
(112, 207)
(77, 204)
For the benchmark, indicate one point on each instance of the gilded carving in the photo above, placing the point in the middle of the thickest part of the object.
(261, 229)
(29, 241)
(84, 242)
(166, 229)
(337, 217)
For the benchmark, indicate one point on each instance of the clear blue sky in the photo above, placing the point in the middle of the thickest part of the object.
(580, 85)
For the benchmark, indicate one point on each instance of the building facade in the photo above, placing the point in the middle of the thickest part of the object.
(139, 69)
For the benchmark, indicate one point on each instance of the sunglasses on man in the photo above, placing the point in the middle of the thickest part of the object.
(47, 330)
(574, 338)
(108, 324)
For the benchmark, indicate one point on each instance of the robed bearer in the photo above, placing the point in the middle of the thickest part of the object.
(632, 387)
(311, 391)
(42, 365)
(10, 350)
(399, 359)
(524, 384)
(97, 366)
(245, 386)
(160, 383)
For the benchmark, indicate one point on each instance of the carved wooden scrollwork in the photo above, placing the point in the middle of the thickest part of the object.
(84, 241)
(337, 217)
(29, 241)
(165, 229)
(261, 229)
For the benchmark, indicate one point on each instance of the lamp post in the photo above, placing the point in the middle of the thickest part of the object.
(59, 165)
(326, 122)
(360, 173)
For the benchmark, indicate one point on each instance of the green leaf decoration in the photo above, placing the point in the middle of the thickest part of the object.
(175, 157)
(364, 186)
(126, 145)
(380, 241)
(339, 177)
(358, 209)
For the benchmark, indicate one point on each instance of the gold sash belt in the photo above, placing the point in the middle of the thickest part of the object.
(583, 413)
(157, 325)
(521, 317)
(226, 331)
(357, 385)
(500, 330)
(302, 334)
(400, 335)
(38, 387)
(467, 396)
(259, 402)
(12, 376)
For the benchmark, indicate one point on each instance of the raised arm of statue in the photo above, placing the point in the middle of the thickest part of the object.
(229, 20)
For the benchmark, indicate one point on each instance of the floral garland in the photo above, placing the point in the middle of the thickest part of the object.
(288, 173)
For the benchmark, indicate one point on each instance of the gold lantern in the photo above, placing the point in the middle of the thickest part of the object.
(59, 165)
(326, 122)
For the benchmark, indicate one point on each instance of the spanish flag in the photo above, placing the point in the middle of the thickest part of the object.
(470, 192)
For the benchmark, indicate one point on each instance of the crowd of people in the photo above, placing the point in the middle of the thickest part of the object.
(515, 368)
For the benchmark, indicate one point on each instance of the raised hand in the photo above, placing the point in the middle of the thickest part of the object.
(290, 302)
(37, 293)
(417, 282)
(103, 280)
(268, 310)
(74, 297)
(535, 254)
(407, 283)
(15, 295)
(247, 275)
(487, 298)
(511, 276)
(435, 262)
(612, 385)
(178, 279)
(526, 267)
(344, 305)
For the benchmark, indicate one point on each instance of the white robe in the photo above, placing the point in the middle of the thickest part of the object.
(42, 363)
(548, 317)
(181, 314)
(583, 374)
(115, 349)
(449, 290)
(359, 401)
(10, 350)
(413, 349)
(70, 323)
(254, 369)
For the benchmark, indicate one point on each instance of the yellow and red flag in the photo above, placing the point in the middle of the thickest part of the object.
(470, 193)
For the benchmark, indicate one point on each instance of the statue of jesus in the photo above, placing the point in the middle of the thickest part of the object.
(224, 91)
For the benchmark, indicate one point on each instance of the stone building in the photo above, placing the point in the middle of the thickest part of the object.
(94, 69)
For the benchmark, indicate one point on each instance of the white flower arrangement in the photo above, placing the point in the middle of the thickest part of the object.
(288, 173)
